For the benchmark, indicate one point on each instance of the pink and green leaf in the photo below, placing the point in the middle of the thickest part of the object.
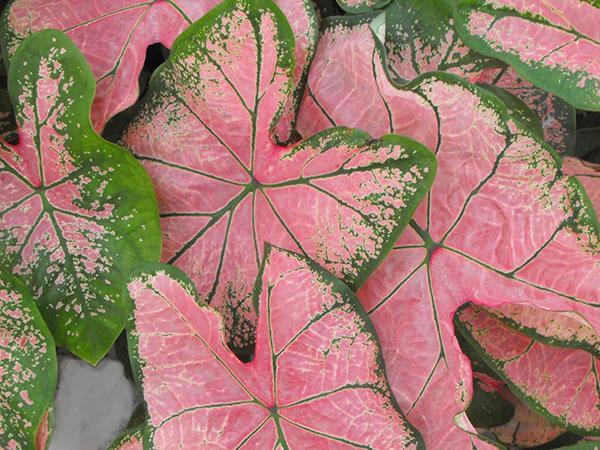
(316, 380)
(526, 428)
(224, 188)
(420, 37)
(27, 368)
(501, 224)
(561, 329)
(560, 383)
(76, 212)
(556, 116)
(552, 44)
(127, 28)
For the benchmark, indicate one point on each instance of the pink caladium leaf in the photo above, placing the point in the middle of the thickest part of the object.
(500, 225)
(553, 44)
(76, 212)
(316, 380)
(127, 28)
(526, 428)
(555, 328)
(420, 37)
(27, 367)
(560, 383)
(224, 188)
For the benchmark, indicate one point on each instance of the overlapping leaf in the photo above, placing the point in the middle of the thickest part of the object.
(420, 38)
(75, 211)
(554, 44)
(560, 383)
(27, 367)
(224, 188)
(316, 380)
(500, 225)
(113, 35)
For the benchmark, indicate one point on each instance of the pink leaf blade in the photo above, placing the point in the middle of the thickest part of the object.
(501, 260)
(552, 44)
(280, 399)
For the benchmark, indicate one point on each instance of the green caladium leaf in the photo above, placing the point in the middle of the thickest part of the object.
(27, 368)
(553, 44)
(76, 212)
(224, 188)
(420, 37)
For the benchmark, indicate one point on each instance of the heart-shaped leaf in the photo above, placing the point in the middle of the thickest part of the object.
(27, 367)
(76, 212)
(501, 223)
(224, 188)
(127, 28)
(553, 44)
(420, 37)
(316, 381)
(560, 383)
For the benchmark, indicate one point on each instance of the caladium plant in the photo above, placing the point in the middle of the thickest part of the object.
(316, 381)
(127, 28)
(27, 368)
(500, 225)
(420, 37)
(203, 134)
(553, 44)
(560, 383)
(76, 212)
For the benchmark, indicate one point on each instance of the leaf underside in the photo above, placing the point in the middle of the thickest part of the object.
(224, 189)
(501, 225)
(316, 380)
(27, 367)
(75, 211)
